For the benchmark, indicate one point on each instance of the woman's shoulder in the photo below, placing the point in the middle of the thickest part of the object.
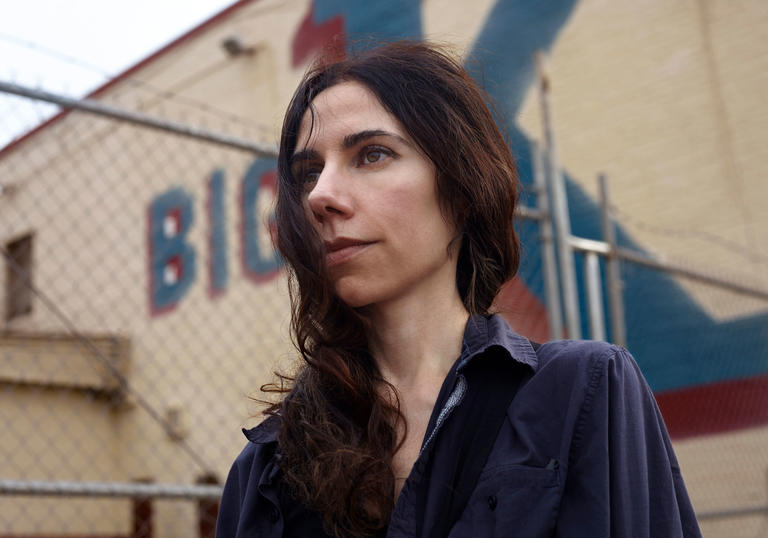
(582, 354)
(589, 365)
(256, 462)
(259, 451)
(265, 432)
(251, 476)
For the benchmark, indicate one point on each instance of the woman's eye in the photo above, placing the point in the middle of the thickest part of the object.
(372, 155)
(307, 175)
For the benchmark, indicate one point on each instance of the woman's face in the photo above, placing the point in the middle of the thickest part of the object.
(371, 195)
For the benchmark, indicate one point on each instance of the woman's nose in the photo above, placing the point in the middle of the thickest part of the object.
(330, 196)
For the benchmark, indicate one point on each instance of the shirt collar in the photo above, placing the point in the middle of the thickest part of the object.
(264, 433)
(482, 333)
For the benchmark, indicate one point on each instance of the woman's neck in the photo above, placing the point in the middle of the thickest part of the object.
(416, 339)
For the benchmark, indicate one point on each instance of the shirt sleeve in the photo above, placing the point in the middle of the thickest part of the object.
(623, 478)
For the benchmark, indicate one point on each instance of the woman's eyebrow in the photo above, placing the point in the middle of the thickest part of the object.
(304, 155)
(349, 141)
(354, 139)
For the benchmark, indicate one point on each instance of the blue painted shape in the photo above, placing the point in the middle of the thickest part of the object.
(502, 55)
(678, 345)
(675, 342)
(218, 273)
(373, 21)
(169, 250)
(258, 264)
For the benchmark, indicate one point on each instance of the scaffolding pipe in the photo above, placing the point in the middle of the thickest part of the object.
(529, 213)
(594, 296)
(548, 259)
(733, 512)
(100, 490)
(101, 109)
(581, 244)
(614, 285)
(642, 259)
(560, 213)
(109, 489)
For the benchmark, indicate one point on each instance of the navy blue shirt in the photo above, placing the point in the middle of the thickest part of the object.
(583, 452)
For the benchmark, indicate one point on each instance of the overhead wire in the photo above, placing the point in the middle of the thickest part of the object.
(122, 380)
(701, 235)
(163, 93)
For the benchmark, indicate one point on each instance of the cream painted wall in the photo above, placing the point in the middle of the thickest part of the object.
(85, 185)
(664, 97)
(727, 471)
(660, 95)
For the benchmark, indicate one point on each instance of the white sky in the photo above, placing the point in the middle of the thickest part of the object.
(72, 47)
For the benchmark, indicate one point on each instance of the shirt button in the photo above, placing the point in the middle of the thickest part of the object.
(274, 514)
(492, 501)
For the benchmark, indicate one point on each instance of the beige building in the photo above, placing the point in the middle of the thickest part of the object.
(157, 308)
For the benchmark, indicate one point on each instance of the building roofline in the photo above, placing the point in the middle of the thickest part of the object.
(129, 72)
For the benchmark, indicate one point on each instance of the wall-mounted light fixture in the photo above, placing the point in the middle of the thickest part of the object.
(235, 47)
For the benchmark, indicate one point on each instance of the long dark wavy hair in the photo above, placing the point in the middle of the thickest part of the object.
(339, 419)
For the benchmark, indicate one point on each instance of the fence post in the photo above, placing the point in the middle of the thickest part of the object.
(613, 271)
(548, 260)
(594, 296)
(559, 210)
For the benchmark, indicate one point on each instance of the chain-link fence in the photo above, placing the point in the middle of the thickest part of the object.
(144, 305)
(706, 359)
(701, 340)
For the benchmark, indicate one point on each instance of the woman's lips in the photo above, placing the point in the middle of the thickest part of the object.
(341, 250)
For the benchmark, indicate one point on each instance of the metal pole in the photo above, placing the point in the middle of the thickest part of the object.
(548, 260)
(529, 213)
(101, 109)
(613, 270)
(734, 512)
(108, 489)
(581, 244)
(641, 259)
(594, 296)
(559, 210)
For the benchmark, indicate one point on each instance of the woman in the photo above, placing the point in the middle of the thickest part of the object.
(418, 413)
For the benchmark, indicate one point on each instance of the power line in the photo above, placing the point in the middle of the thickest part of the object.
(163, 93)
(709, 237)
(72, 329)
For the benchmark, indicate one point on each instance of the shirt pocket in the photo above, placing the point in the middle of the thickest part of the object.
(512, 500)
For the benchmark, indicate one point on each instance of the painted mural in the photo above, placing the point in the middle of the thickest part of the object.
(702, 385)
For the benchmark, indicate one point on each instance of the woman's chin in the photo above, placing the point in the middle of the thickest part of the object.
(355, 294)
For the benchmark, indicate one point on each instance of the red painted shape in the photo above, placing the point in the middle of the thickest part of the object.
(177, 265)
(327, 37)
(175, 214)
(522, 310)
(267, 180)
(715, 407)
(151, 282)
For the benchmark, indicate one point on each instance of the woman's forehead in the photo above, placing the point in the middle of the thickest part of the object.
(343, 109)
